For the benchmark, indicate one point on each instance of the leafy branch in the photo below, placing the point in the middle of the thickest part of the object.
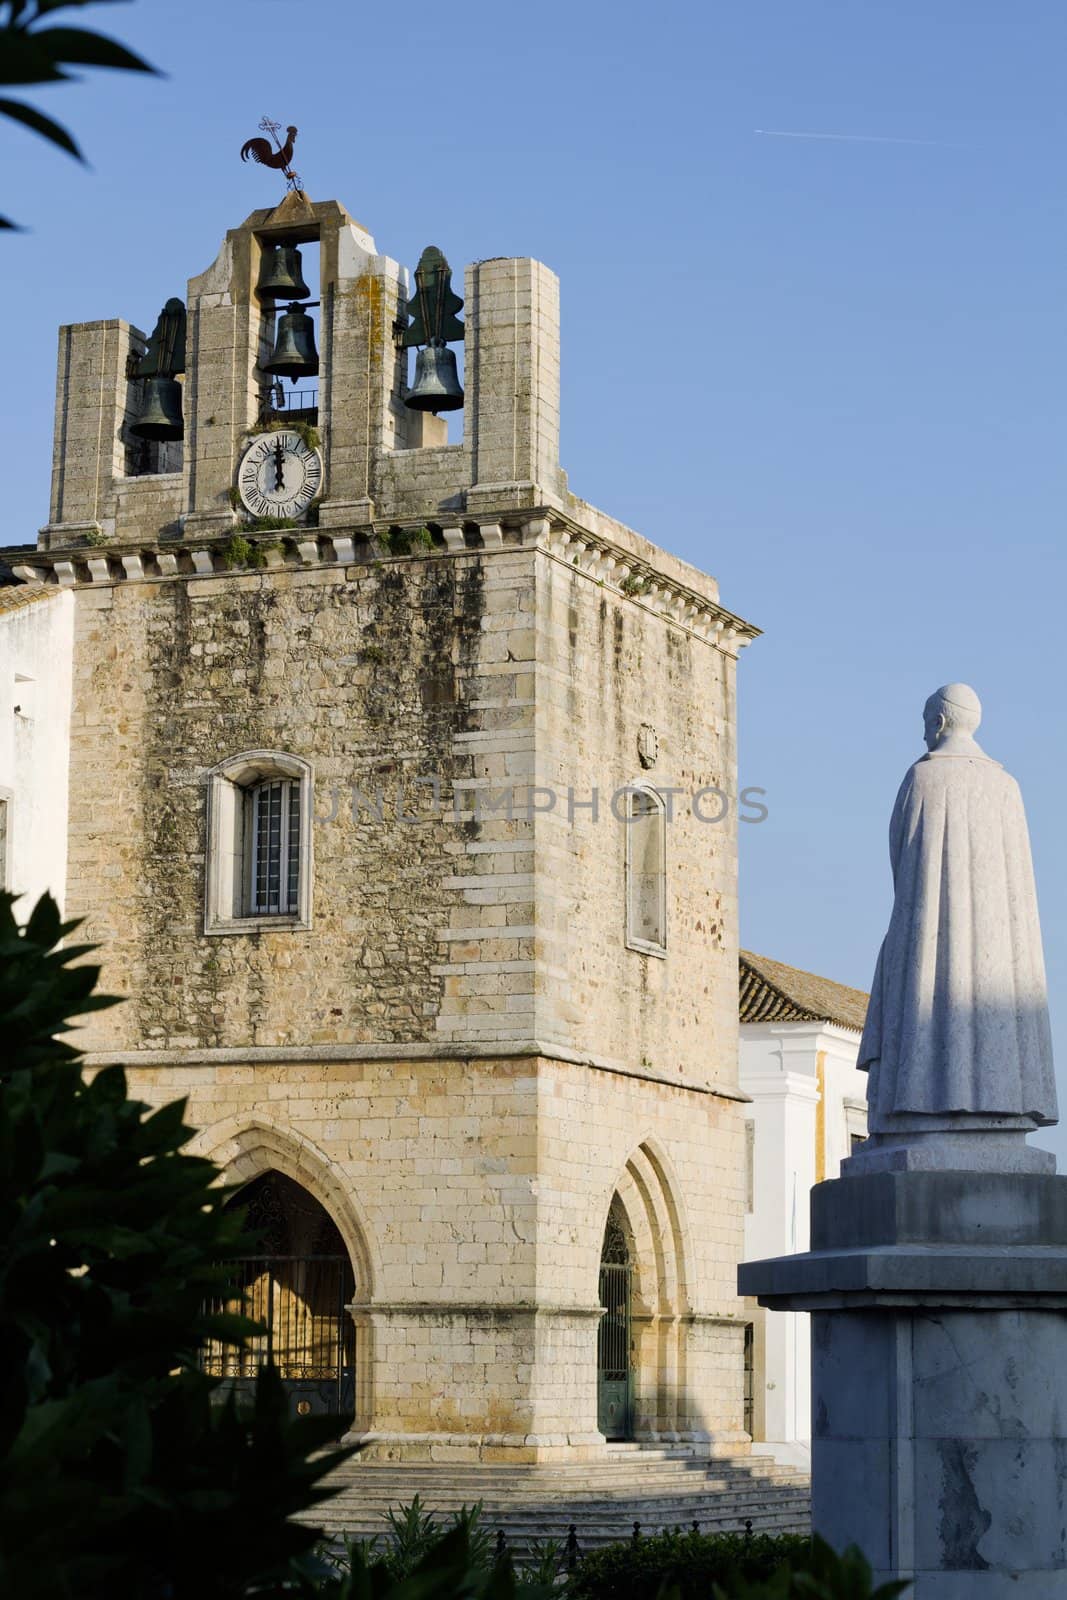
(31, 54)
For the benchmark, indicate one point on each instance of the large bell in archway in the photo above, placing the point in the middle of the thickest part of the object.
(160, 416)
(294, 354)
(437, 386)
(281, 274)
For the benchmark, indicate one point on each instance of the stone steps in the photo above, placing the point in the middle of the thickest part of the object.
(660, 1489)
(609, 1498)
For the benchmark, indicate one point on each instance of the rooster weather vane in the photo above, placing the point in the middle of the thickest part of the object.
(262, 152)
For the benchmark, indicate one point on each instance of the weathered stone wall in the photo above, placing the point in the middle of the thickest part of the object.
(369, 675)
(95, 402)
(607, 666)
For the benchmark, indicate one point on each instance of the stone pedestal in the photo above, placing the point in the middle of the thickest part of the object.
(939, 1375)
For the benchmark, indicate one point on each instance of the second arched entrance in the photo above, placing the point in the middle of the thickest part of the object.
(614, 1343)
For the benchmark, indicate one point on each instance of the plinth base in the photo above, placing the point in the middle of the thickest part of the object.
(939, 1376)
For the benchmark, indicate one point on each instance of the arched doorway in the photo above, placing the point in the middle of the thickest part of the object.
(297, 1280)
(614, 1365)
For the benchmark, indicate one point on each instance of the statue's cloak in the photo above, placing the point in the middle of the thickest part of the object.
(958, 1017)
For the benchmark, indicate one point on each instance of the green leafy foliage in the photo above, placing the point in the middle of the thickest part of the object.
(31, 54)
(687, 1563)
(236, 552)
(546, 1562)
(270, 524)
(309, 434)
(406, 541)
(818, 1574)
(121, 1474)
(726, 1566)
(423, 1562)
(261, 549)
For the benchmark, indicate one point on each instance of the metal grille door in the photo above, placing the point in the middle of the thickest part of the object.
(307, 1332)
(613, 1352)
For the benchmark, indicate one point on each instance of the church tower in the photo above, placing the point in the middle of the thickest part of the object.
(404, 812)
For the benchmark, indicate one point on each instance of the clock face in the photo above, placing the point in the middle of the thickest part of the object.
(279, 475)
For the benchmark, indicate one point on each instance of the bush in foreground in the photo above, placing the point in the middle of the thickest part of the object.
(121, 1478)
(417, 1559)
(689, 1562)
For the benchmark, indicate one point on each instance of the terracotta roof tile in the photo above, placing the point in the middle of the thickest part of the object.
(772, 992)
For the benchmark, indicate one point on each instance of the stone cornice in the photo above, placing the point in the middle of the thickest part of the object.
(641, 581)
(499, 1050)
(562, 536)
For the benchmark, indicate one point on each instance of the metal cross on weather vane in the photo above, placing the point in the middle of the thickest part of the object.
(260, 150)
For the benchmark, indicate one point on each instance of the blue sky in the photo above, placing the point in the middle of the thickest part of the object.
(831, 372)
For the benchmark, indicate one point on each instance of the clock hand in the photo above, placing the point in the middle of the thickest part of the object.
(279, 466)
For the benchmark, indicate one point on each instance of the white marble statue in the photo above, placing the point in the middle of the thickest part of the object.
(957, 1035)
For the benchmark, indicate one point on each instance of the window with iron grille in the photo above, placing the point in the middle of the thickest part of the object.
(274, 830)
(259, 815)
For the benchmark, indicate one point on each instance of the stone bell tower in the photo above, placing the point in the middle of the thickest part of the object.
(381, 459)
(407, 823)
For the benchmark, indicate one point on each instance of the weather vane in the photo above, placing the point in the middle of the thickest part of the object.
(260, 151)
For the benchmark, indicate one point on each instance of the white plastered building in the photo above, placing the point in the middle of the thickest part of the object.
(799, 1039)
(36, 640)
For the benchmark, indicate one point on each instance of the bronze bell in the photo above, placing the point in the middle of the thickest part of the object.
(160, 416)
(281, 276)
(294, 354)
(437, 386)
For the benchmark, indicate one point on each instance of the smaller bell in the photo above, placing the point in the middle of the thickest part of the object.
(437, 386)
(294, 354)
(160, 416)
(281, 275)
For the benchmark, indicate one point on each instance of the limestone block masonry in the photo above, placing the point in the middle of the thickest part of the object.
(457, 1051)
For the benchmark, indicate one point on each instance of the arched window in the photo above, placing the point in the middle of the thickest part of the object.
(259, 843)
(646, 871)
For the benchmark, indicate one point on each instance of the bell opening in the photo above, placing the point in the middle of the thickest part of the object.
(154, 427)
(431, 424)
(289, 362)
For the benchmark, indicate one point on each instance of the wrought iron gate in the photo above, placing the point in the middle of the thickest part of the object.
(308, 1334)
(614, 1399)
(748, 1400)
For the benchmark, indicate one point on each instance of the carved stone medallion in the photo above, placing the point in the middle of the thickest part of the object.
(647, 745)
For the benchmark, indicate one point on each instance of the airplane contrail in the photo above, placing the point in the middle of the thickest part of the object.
(845, 138)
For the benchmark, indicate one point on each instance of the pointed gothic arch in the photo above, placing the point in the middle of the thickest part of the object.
(250, 1149)
(245, 1148)
(645, 1204)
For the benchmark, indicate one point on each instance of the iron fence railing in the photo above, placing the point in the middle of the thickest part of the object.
(307, 1333)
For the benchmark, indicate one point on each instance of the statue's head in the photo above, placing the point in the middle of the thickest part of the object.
(954, 708)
